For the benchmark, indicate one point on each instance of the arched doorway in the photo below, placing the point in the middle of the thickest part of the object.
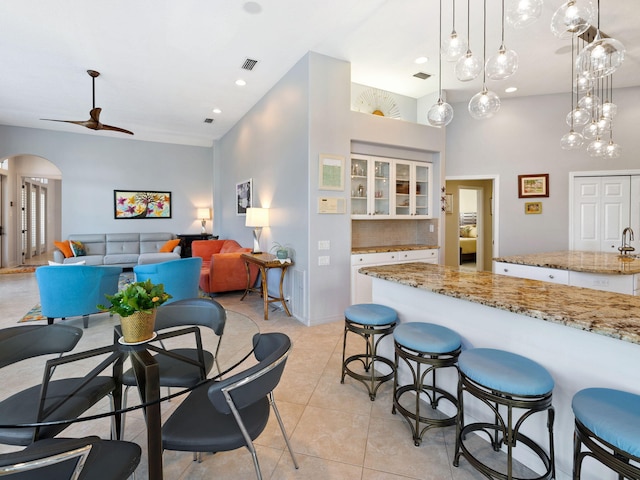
(29, 209)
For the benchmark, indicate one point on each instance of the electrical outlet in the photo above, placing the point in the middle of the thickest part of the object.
(324, 244)
(323, 260)
(431, 228)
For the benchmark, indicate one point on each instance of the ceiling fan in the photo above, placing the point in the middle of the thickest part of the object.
(94, 122)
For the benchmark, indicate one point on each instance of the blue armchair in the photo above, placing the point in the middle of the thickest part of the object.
(179, 277)
(75, 290)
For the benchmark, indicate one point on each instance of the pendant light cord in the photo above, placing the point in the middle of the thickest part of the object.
(468, 25)
(502, 39)
(572, 78)
(484, 47)
(440, 55)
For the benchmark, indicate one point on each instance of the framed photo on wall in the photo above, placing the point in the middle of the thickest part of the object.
(244, 196)
(531, 186)
(138, 204)
(533, 208)
(331, 173)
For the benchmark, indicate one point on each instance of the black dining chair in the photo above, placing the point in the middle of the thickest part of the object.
(184, 367)
(88, 458)
(231, 413)
(54, 400)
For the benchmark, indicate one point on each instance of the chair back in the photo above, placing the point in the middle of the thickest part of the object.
(69, 291)
(192, 311)
(254, 384)
(179, 277)
(67, 465)
(20, 343)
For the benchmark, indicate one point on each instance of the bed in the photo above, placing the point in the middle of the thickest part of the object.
(468, 237)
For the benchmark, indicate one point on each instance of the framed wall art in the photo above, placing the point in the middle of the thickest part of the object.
(331, 173)
(531, 186)
(533, 208)
(244, 196)
(138, 204)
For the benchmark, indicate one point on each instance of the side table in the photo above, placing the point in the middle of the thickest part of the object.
(265, 261)
(187, 238)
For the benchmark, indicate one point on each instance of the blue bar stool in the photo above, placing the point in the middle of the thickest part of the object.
(503, 379)
(368, 320)
(608, 424)
(431, 347)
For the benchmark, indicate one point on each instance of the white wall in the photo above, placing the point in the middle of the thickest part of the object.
(93, 166)
(524, 138)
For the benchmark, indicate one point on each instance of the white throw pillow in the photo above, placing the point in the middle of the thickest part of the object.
(67, 264)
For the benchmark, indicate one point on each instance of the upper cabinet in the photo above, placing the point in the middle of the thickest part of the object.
(388, 188)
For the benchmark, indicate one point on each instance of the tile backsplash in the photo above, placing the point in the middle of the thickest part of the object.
(383, 233)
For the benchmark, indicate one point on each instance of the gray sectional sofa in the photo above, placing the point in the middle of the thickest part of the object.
(122, 249)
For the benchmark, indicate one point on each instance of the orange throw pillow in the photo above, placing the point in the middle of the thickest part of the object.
(169, 246)
(65, 248)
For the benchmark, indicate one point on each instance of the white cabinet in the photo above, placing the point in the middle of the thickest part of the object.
(601, 211)
(370, 187)
(383, 188)
(361, 284)
(533, 273)
(412, 182)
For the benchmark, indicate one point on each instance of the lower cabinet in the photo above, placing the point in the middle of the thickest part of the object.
(627, 284)
(361, 284)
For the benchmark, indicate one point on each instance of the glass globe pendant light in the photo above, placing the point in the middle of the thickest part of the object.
(573, 18)
(485, 103)
(596, 148)
(578, 117)
(468, 67)
(601, 57)
(609, 109)
(571, 140)
(522, 13)
(441, 113)
(504, 63)
(589, 102)
(454, 46)
(612, 149)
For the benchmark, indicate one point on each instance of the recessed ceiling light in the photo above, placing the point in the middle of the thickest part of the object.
(240, 82)
(510, 89)
(217, 110)
(421, 60)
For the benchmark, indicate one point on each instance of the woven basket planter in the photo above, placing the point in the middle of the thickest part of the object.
(138, 327)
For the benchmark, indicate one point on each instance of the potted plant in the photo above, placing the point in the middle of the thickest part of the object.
(136, 305)
(281, 251)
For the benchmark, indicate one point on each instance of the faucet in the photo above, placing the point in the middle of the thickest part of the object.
(626, 248)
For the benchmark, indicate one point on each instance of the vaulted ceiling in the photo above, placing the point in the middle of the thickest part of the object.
(166, 64)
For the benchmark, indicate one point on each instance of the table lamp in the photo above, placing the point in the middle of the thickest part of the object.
(204, 214)
(257, 218)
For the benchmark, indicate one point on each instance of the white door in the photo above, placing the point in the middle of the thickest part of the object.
(635, 212)
(600, 212)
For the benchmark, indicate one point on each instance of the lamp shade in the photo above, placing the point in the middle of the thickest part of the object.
(257, 217)
(204, 214)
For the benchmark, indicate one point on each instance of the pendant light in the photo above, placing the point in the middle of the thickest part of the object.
(571, 140)
(485, 103)
(468, 67)
(522, 13)
(608, 108)
(441, 113)
(454, 46)
(504, 63)
(573, 18)
(601, 57)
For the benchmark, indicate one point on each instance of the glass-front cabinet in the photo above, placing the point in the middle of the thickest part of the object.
(412, 189)
(389, 188)
(370, 187)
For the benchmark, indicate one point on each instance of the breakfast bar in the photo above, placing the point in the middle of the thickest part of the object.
(583, 337)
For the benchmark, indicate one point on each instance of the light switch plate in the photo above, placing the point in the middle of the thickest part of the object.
(324, 244)
(323, 260)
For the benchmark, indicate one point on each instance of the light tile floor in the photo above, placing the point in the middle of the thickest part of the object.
(335, 430)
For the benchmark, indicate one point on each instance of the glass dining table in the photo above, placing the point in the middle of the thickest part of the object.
(235, 346)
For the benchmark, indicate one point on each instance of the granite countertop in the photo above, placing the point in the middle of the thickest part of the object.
(393, 248)
(591, 262)
(611, 314)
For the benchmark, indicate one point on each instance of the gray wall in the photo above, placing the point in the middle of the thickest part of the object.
(524, 138)
(94, 166)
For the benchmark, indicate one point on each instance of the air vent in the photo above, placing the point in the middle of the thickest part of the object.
(421, 75)
(208, 120)
(249, 64)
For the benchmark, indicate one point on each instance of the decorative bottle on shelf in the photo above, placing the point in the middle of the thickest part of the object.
(360, 190)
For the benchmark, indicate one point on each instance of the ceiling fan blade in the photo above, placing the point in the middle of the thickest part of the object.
(102, 126)
(85, 123)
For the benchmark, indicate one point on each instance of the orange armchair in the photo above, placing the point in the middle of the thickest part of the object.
(223, 269)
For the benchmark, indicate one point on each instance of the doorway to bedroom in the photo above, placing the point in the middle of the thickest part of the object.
(469, 224)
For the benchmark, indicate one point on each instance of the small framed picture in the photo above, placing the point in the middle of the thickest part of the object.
(531, 186)
(331, 174)
(244, 196)
(448, 203)
(532, 208)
